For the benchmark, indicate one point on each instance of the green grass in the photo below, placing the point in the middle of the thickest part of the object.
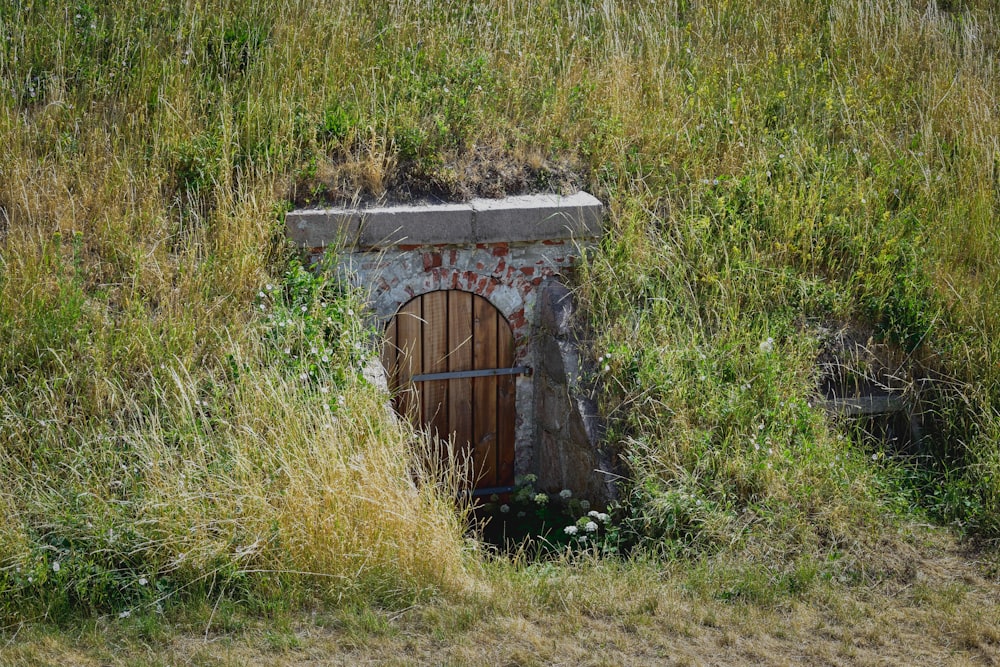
(771, 173)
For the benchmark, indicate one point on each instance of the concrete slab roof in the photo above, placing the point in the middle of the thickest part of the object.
(512, 219)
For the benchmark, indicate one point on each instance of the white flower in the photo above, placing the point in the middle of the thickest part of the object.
(570, 530)
(592, 514)
(767, 346)
(590, 527)
(504, 509)
(603, 518)
(565, 494)
(260, 294)
(541, 498)
(269, 287)
(125, 614)
(607, 368)
(304, 309)
(143, 581)
(56, 566)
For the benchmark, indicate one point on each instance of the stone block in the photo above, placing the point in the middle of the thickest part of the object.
(320, 228)
(537, 218)
(416, 225)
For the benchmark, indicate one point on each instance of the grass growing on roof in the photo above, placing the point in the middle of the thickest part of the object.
(770, 172)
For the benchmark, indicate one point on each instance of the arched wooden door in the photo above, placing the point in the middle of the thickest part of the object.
(449, 358)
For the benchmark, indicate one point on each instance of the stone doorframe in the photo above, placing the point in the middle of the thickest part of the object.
(500, 249)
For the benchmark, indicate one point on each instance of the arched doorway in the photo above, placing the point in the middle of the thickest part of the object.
(449, 358)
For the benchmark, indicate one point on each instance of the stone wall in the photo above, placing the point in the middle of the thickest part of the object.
(571, 450)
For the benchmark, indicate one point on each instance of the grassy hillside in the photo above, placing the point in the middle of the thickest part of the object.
(180, 404)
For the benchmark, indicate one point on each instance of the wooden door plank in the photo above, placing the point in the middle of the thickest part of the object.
(460, 359)
(435, 339)
(506, 407)
(484, 393)
(409, 341)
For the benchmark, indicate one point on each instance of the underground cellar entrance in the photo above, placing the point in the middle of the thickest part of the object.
(449, 361)
(482, 347)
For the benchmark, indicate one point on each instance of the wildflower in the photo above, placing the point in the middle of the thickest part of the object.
(603, 518)
(125, 614)
(143, 581)
(260, 294)
(767, 346)
(570, 530)
(269, 287)
(326, 358)
(541, 498)
(504, 509)
(304, 309)
(593, 514)
(565, 494)
(607, 368)
(590, 527)
(56, 566)
(263, 307)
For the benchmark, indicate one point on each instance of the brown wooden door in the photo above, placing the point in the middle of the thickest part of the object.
(451, 333)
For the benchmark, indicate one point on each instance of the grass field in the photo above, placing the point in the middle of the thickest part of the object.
(183, 421)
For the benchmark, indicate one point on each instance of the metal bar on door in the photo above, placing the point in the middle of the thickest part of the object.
(479, 373)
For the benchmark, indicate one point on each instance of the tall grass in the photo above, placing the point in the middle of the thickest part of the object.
(771, 172)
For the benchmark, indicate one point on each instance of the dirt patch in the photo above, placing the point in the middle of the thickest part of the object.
(375, 176)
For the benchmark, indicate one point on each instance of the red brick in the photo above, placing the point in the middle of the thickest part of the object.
(407, 247)
(501, 250)
(432, 260)
(528, 270)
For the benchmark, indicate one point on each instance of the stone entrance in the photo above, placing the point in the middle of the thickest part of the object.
(507, 252)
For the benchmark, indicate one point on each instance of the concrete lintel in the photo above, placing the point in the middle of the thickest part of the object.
(317, 228)
(537, 218)
(509, 220)
(416, 225)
